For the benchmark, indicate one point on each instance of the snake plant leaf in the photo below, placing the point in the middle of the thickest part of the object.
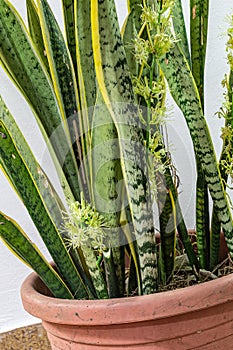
(181, 227)
(107, 185)
(84, 53)
(17, 172)
(129, 32)
(132, 3)
(61, 67)
(96, 273)
(167, 219)
(51, 199)
(63, 76)
(116, 88)
(35, 31)
(198, 42)
(199, 10)
(14, 237)
(21, 60)
(86, 75)
(227, 143)
(185, 94)
(136, 7)
(180, 29)
(69, 20)
(202, 218)
(23, 64)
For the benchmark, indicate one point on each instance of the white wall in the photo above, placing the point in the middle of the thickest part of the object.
(12, 271)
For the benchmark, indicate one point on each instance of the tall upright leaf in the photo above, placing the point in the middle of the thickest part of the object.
(86, 76)
(185, 94)
(225, 158)
(35, 31)
(199, 10)
(69, 19)
(180, 28)
(198, 41)
(84, 51)
(26, 70)
(107, 185)
(116, 88)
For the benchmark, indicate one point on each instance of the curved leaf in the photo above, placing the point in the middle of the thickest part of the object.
(23, 64)
(185, 94)
(20, 178)
(14, 237)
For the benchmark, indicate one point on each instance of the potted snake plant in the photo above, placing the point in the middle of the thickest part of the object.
(99, 97)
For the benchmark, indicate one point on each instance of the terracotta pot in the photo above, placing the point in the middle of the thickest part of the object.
(198, 317)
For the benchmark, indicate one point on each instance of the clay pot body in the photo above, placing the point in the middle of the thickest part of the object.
(197, 317)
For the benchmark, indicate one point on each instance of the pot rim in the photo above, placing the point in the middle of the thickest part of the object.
(124, 310)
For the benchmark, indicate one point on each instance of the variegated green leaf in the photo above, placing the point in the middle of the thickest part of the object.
(198, 33)
(136, 7)
(26, 70)
(69, 19)
(13, 236)
(85, 61)
(198, 41)
(180, 29)
(227, 145)
(116, 88)
(86, 76)
(167, 219)
(15, 169)
(96, 273)
(185, 94)
(107, 184)
(202, 217)
(65, 85)
(61, 67)
(35, 31)
(51, 199)
(181, 227)
(129, 32)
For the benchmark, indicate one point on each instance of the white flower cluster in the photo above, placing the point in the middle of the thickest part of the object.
(84, 226)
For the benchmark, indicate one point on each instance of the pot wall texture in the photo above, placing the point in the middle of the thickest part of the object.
(12, 271)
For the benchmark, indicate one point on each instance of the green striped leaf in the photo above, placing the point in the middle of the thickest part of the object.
(202, 217)
(14, 237)
(107, 184)
(86, 76)
(184, 91)
(69, 19)
(64, 82)
(96, 273)
(227, 144)
(199, 10)
(129, 32)
(198, 41)
(167, 219)
(115, 86)
(136, 7)
(50, 197)
(35, 31)
(61, 67)
(85, 61)
(23, 64)
(15, 169)
(180, 29)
